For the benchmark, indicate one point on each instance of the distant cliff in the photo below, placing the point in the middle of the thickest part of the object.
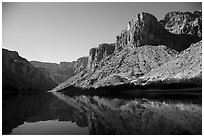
(18, 75)
(60, 72)
(145, 45)
(97, 54)
(65, 70)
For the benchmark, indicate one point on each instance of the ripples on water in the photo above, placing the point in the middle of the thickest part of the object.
(57, 113)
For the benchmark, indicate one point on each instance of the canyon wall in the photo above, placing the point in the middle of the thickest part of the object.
(143, 46)
(183, 22)
(146, 29)
(97, 54)
(18, 75)
(63, 71)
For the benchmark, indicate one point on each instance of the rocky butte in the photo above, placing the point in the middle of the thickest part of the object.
(143, 51)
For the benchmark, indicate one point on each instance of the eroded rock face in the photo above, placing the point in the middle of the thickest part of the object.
(122, 66)
(60, 72)
(81, 64)
(183, 23)
(184, 68)
(18, 74)
(97, 54)
(141, 48)
(140, 30)
(145, 29)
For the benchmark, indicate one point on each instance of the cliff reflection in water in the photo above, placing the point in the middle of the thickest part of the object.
(104, 115)
(38, 107)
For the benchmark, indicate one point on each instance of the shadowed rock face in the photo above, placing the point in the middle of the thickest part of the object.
(183, 23)
(60, 72)
(145, 29)
(19, 74)
(97, 54)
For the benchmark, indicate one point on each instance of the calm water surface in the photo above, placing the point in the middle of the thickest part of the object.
(57, 113)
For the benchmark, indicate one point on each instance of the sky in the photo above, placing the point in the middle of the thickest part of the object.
(56, 32)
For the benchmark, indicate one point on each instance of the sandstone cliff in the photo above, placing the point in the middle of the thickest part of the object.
(97, 54)
(18, 74)
(141, 48)
(60, 72)
(146, 29)
(186, 67)
(119, 67)
(183, 23)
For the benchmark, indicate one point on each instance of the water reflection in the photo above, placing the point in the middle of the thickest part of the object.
(101, 115)
(52, 127)
(35, 108)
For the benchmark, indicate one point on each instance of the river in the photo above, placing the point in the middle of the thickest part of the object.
(62, 114)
